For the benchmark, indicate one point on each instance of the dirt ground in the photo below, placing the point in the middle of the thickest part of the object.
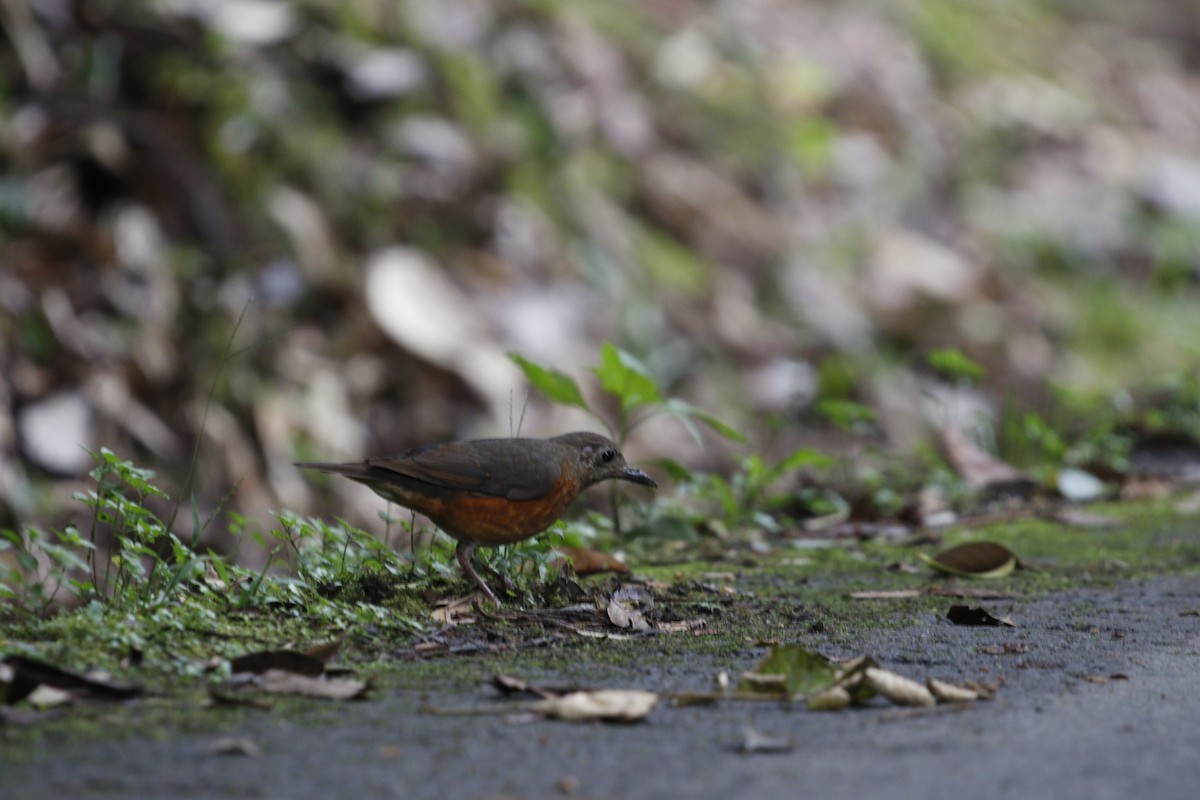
(1099, 698)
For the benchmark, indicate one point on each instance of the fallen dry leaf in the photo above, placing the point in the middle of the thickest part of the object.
(898, 689)
(974, 560)
(509, 686)
(622, 616)
(280, 660)
(625, 608)
(887, 594)
(28, 673)
(455, 612)
(789, 671)
(833, 699)
(325, 652)
(234, 746)
(965, 615)
(48, 697)
(280, 682)
(984, 691)
(592, 562)
(695, 625)
(610, 705)
(978, 467)
(212, 579)
(950, 693)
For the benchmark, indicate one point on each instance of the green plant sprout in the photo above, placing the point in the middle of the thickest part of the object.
(624, 378)
(952, 364)
(145, 561)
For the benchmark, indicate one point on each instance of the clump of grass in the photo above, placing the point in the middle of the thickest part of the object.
(124, 580)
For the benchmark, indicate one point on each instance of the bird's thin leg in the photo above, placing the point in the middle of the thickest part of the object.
(466, 552)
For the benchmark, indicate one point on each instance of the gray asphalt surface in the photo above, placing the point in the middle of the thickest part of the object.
(1049, 732)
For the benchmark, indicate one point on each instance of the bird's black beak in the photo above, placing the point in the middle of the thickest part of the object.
(635, 475)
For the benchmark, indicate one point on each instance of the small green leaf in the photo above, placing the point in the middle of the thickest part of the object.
(626, 378)
(790, 670)
(686, 412)
(951, 362)
(804, 457)
(556, 386)
(678, 472)
(729, 432)
(846, 414)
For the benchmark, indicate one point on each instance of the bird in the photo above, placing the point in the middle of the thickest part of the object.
(491, 492)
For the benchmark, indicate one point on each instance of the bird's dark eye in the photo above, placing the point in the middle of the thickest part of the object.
(608, 455)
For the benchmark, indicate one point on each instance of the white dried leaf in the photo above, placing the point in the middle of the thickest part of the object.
(57, 432)
(422, 310)
(619, 705)
(48, 697)
(950, 693)
(833, 699)
(279, 681)
(898, 689)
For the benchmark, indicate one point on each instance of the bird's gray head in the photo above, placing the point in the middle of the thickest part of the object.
(600, 460)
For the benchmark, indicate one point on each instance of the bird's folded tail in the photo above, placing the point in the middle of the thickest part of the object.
(351, 470)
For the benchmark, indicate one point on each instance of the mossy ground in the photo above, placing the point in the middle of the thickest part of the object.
(792, 594)
(792, 591)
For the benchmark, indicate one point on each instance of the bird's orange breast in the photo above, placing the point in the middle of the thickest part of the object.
(492, 520)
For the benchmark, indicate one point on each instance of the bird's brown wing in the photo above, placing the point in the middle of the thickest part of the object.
(513, 469)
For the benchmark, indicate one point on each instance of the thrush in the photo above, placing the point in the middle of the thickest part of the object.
(492, 492)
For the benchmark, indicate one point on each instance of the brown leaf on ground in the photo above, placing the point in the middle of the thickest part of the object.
(280, 660)
(592, 562)
(965, 615)
(509, 685)
(455, 612)
(978, 467)
(974, 560)
(325, 652)
(28, 673)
